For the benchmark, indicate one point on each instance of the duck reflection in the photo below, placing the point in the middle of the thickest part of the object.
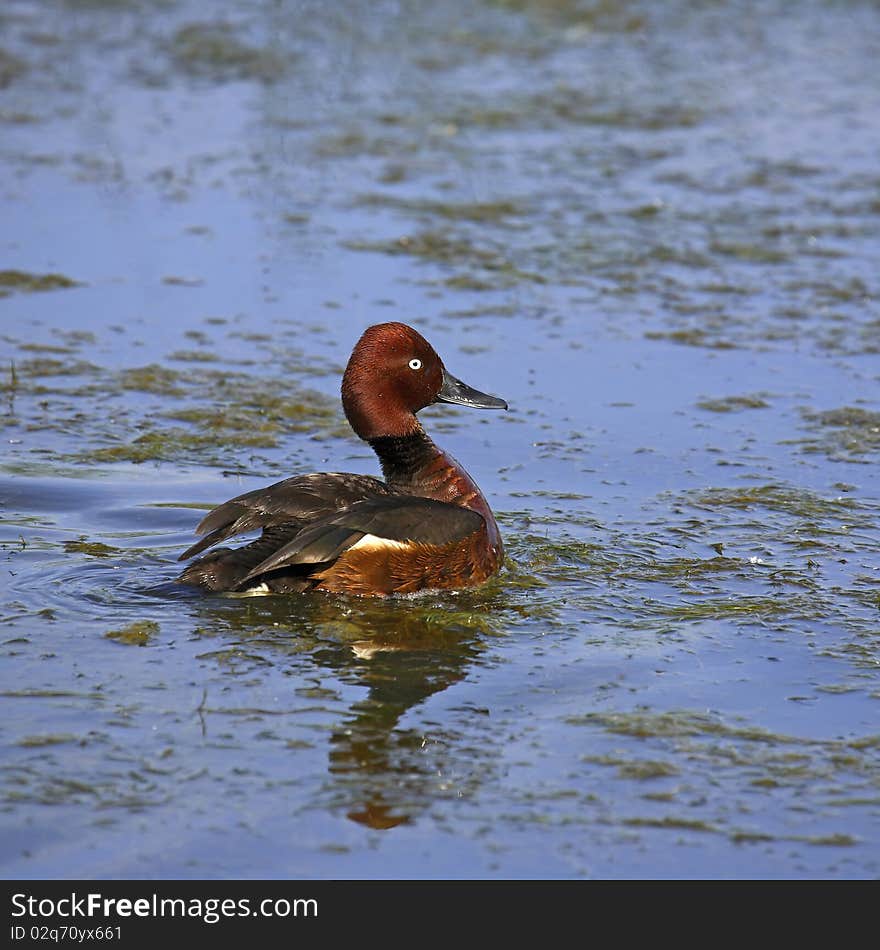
(381, 772)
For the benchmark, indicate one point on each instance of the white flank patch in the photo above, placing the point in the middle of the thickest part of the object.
(372, 542)
(259, 591)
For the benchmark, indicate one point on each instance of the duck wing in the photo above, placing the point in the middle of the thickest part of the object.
(293, 503)
(392, 518)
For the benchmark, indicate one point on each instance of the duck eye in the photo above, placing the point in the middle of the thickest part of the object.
(415, 364)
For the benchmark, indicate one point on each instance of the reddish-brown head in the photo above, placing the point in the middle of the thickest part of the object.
(393, 372)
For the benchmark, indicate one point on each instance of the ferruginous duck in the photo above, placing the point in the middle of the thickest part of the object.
(426, 526)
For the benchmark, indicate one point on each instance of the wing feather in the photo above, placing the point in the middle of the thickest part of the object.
(299, 500)
(402, 518)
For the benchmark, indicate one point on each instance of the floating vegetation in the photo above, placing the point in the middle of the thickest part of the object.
(193, 356)
(167, 443)
(677, 723)
(755, 608)
(216, 51)
(639, 769)
(753, 253)
(497, 270)
(436, 246)
(847, 434)
(569, 105)
(45, 366)
(733, 403)
(137, 634)
(792, 501)
(152, 379)
(478, 211)
(40, 741)
(23, 282)
(11, 68)
(693, 337)
(91, 548)
(355, 143)
(223, 411)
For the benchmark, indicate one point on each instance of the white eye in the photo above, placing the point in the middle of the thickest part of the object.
(415, 364)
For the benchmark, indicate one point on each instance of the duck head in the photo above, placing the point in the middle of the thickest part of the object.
(394, 372)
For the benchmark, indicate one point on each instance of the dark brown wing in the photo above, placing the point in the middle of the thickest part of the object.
(293, 502)
(392, 518)
(223, 568)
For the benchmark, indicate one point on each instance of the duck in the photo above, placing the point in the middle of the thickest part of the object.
(424, 526)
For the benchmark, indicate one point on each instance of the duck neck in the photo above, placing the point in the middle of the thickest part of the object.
(414, 464)
(407, 460)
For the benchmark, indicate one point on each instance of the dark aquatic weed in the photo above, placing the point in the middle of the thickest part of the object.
(138, 634)
(849, 433)
(152, 379)
(216, 51)
(41, 741)
(478, 211)
(678, 724)
(486, 268)
(193, 356)
(441, 247)
(733, 403)
(220, 409)
(693, 337)
(21, 281)
(792, 501)
(91, 548)
(11, 68)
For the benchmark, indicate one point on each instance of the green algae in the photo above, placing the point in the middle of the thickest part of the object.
(45, 366)
(438, 246)
(780, 498)
(755, 607)
(497, 310)
(477, 211)
(356, 143)
(678, 724)
(215, 51)
(686, 824)
(44, 348)
(567, 105)
(193, 356)
(469, 282)
(825, 841)
(23, 282)
(752, 253)
(40, 741)
(17, 117)
(152, 379)
(11, 68)
(172, 280)
(450, 249)
(167, 443)
(639, 769)
(223, 410)
(540, 560)
(91, 548)
(733, 403)
(138, 634)
(849, 433)
(695, 336)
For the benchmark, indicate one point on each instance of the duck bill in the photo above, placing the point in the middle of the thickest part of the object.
(460, 394)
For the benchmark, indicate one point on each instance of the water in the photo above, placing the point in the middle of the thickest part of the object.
(653, 228)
